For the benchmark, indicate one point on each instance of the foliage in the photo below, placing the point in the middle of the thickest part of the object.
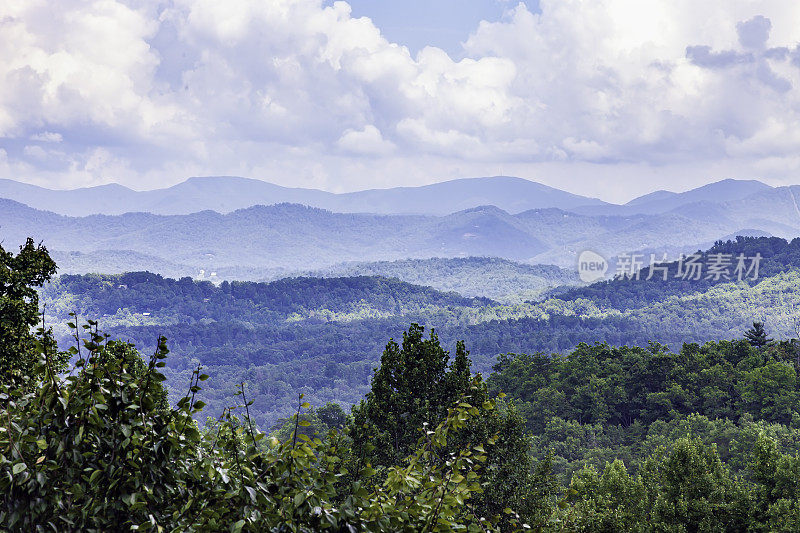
(19, 310)
(757, 335)
(642, 439)
(323, 338)
(95, 451)
(413, 388)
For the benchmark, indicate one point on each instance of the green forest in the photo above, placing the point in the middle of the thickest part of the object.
(323, 337)
(590, 418)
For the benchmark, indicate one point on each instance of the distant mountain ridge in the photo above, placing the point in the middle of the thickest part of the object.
(263, 241)
(227, 194)
(657, 202)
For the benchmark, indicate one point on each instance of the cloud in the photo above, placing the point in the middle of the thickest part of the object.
(47, 136)
(148, 92)
(753, 33)
(368, 141)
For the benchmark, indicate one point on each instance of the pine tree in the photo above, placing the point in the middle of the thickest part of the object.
(757, 335)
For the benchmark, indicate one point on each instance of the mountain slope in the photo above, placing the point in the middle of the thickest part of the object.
(262, 242)
(658, 202)
(282, 236)
(471, 276)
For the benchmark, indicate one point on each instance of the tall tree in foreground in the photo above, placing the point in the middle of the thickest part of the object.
(413, 387)
(413, 390)
(20, 275)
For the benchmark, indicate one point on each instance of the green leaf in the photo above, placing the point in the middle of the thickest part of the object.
(19, 467)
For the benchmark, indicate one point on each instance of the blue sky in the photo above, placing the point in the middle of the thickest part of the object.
(441, 23)
(608, 98)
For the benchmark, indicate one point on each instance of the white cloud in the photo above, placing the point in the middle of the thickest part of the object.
(47, 136)
(368, 141)
(148, 91)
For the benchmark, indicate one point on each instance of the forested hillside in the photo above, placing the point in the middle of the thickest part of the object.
(491, 277)
(323, 336)
(262, 242)
(600, 438)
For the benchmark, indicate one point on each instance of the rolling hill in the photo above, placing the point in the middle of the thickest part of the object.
(323, 337)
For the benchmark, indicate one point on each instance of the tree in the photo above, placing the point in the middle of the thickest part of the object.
(688, 488)
(757, 335)
(94, 451)
(412, 388)
(19, 310)
(332, 415)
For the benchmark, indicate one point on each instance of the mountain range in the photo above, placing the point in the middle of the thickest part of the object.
(263, 242)
(227, 194)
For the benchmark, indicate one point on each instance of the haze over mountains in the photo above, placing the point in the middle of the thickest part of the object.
(262, 242)
(267, 241)
(227, 194)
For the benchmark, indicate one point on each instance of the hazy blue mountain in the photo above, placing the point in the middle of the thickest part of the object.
(286, 236)
(657, 202)
(117, 262)
(510, 194)
(227, 194)
(655, 196)
(100, 199)
(265, 242)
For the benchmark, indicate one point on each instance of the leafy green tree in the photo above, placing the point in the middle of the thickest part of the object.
(332, 415)
(757, 335)
(414, 388)
(411, 388)
(94, 451)
(19, 310)
(688, 488)
(776, 494)
(605, 502)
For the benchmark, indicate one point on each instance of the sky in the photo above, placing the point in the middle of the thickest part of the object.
(606, 98)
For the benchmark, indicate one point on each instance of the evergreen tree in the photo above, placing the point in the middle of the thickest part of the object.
(757, 335)
(413, 390)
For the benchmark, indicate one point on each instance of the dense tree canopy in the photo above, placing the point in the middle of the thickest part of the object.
(597, 438)
(19, 309)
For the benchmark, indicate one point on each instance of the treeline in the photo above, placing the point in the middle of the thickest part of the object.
(599, 403)
(490, 277)
(187, 300)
